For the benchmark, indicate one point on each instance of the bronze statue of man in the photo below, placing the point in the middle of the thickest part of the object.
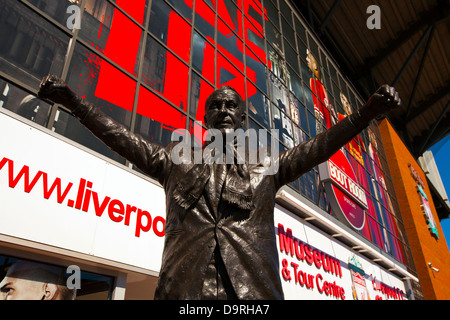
(220, 234)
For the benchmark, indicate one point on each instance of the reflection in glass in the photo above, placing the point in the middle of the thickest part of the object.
(154, 125)
(272, 13)
(165, 73)
(258, 108)
(91, 77)
(200, 90)
(23, 103)
(297, 113)
(31, 47)
(108, 30)
(283, 124)
(288, 32)
(273, 36)
(171, 29)
(279, 92)
(229, 43)
(256, 70)
(55, 9)
(205, 19)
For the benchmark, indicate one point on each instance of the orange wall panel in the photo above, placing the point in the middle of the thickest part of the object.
(425, 246)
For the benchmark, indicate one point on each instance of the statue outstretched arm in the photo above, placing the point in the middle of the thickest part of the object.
(302, 158)
(149, 157)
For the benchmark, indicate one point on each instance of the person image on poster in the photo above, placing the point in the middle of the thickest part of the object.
(26, 280)
(322, 105)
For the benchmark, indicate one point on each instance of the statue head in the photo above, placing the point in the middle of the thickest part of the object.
(224, 109)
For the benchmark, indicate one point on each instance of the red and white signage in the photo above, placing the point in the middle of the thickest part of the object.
(347, 198)
(314, 266)
(54, 193)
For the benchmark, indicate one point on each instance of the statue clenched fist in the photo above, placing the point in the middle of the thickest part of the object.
(56, 90)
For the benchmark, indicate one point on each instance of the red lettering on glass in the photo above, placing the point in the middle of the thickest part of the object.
(113, 85)
(148, 104)
(123, 47)
(136, 8)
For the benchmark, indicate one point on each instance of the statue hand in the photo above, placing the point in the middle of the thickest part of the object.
(55, 89)
(384, 100)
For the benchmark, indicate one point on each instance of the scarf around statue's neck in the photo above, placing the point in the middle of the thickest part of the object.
(236, 189)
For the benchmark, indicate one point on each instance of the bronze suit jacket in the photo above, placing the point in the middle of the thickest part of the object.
(246, 238)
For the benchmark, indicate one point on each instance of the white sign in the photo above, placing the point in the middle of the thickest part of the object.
(57, 194)
(314, 266)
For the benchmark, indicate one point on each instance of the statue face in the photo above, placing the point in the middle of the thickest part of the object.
(224, 110)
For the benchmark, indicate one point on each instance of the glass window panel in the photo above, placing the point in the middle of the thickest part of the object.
(101, 84)
(156, 119)
(297, 113)
(165, 73)
(277, 64)
(256, 71)
(314, 125)
(137, 9)
(299, 135)
(230, 72)
(291, 56)
(283, 124)
(55, 9)
(286, 11)
(375, 231)
(210, 3)
(333, 74)
(300, 30)
(323, 60)
(205, 19)
(203, 57)
(272, 13)
(296, 85)
(228, 42)
(200, 90)
(169, 27)
(231, 15)
(255, 39)
(90, 77)
(295, 185)
(273, 35)
(31, 47)
(308, 186)
(288, 32)
(308, 98)
(263, 137)
(279, 92)
(305, 72)
(182, 7)
(96, 23)
(254, 13)
(313, 47)
(259, 108)
(23, 103)
(108, 30)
